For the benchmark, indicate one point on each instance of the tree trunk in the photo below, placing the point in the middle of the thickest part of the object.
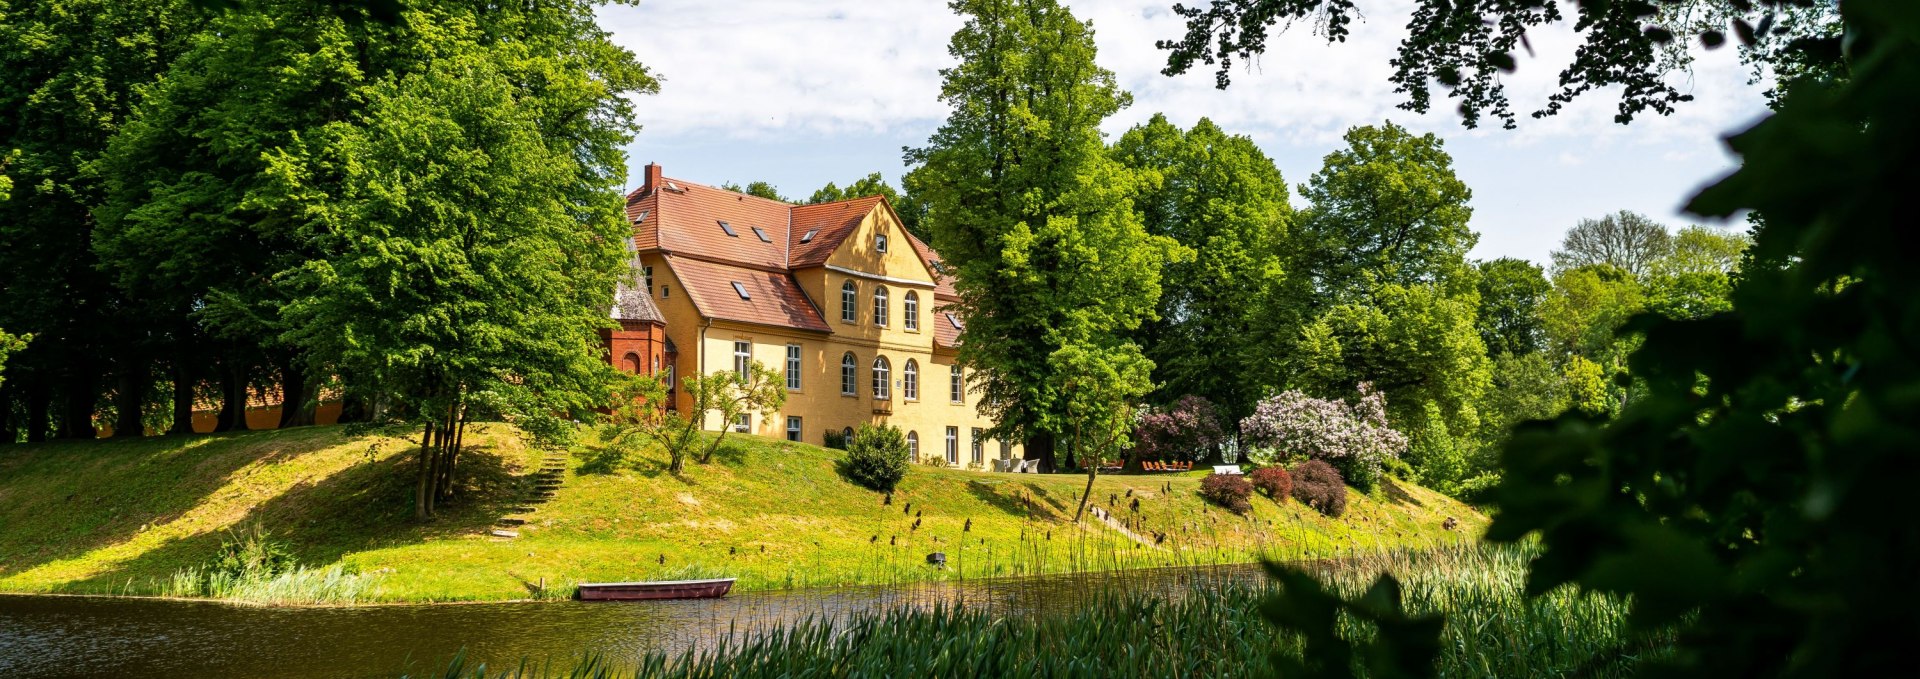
(76, 417)
(233, 401)
(183, 392)
(1040, 448)
(294, 395)
(39, 402)
(130, 399)
(421, 508)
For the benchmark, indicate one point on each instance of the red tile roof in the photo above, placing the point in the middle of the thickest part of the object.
(774, 298)
(943, 283)
(946, 327)
(684, 217)
(830, 224)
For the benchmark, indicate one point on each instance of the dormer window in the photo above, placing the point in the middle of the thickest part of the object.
(762, 234)
(724, 226)
(642, 217)
(742, 290)
(880, 243)
(808, 238)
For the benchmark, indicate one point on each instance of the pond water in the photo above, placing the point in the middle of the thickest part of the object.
(46, 636)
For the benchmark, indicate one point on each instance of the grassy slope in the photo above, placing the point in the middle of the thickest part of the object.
(114, 516)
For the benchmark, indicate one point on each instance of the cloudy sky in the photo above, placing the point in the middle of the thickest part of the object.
(803, 92)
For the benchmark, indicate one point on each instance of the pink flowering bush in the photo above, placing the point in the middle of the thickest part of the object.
(1185, 431)
(1353, 437)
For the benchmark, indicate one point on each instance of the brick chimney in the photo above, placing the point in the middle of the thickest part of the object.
(653, 178)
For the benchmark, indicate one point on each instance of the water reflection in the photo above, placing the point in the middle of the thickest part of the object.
(101, 637)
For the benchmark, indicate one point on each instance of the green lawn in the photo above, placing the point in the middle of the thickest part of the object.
(121, 516)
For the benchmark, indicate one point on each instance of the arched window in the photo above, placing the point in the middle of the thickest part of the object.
(880, 305)
(913, 446)
(633, 363)
(910, 380)
(910, 307)
(849, 298)
(846, 435)
(882, 377)
(848, 372)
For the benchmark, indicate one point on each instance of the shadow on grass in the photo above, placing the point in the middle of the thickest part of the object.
(106, 492)
(365, 506)
(990, 494)
(1398, 495)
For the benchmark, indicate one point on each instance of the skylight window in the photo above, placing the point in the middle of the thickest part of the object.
(642, 217)
(724, 226)
(954, 320)
(809, 237)
(737, 287)
(762, 234)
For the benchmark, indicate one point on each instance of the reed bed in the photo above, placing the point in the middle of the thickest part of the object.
(1212, 631)
(302, 585)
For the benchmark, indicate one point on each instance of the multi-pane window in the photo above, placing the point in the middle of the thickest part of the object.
(743, 422)
(793, 428)
(646, 275)
(880, 305)
(846, 435)
(1006, 450)
(910, 307)
(793, 367)
(880, 243)
(743, 360)
(882, 377)
(849, 299)
(976, 445)
(848, 374)
(959, 386)
(910, 380)
(953, 445)
(913, 446)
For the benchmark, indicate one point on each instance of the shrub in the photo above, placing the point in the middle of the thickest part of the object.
(1227, 490)
(1184, 432)
(1274, 481)
(1354, 437)
(1318, 485)
(877, 457)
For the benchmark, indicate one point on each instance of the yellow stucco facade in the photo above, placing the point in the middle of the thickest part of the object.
(919, 392)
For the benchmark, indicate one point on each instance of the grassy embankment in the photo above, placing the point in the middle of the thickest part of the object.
(1492, 630)
(124, 517)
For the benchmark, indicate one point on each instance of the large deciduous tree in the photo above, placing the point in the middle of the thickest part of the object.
(1030, 212)
(1225, 315)
(1625, 240)
(1511, 291)
(1387, 209)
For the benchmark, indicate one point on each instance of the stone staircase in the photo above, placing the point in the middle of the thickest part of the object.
(546, 483)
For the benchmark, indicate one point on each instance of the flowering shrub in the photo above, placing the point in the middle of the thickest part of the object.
(1353, 437)
(1227, 490)
(1273, 481)
(1318, 485)
(1183, 432)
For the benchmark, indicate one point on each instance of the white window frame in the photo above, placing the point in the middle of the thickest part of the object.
(913, 446)
(910, 380)
(743, 359)
(957, 391)
(882, 378)
(953, 445)
(793, 367)
(849, 302)
(849, 375)
(979, 449)
(910, 308)
(880, 242)
(794, 428)
(743, 423)
(646, 274)
(880, 306)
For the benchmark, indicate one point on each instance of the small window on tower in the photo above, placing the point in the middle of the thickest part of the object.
(880, 243)
(762, 234)
(724, 226)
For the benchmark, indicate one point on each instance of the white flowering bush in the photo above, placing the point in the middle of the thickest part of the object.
(1351, 436)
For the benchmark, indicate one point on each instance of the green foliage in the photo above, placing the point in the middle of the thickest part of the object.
(10, 344)
(1047, 249)
(1587, 308)
(728, 395)
(756, 188)
(1511, 292)
(1386, 210)
(1405, 646)
(1221, 197)
(1624, 240)
(250, 553)
(877, 457)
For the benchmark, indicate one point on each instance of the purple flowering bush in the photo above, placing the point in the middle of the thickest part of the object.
(1183, 432)
(1351, 436)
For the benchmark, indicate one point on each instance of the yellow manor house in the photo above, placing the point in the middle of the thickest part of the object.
(837, 297)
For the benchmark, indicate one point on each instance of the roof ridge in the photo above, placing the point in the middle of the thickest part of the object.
(685, 183)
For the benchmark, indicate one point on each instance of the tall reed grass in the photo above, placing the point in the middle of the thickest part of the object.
(1210, 631)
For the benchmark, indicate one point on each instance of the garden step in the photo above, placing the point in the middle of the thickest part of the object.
(519, 510)
(544, 493)
(504, 533)
(512, 521)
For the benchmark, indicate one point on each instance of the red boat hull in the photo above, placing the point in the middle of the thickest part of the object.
(649, 591)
